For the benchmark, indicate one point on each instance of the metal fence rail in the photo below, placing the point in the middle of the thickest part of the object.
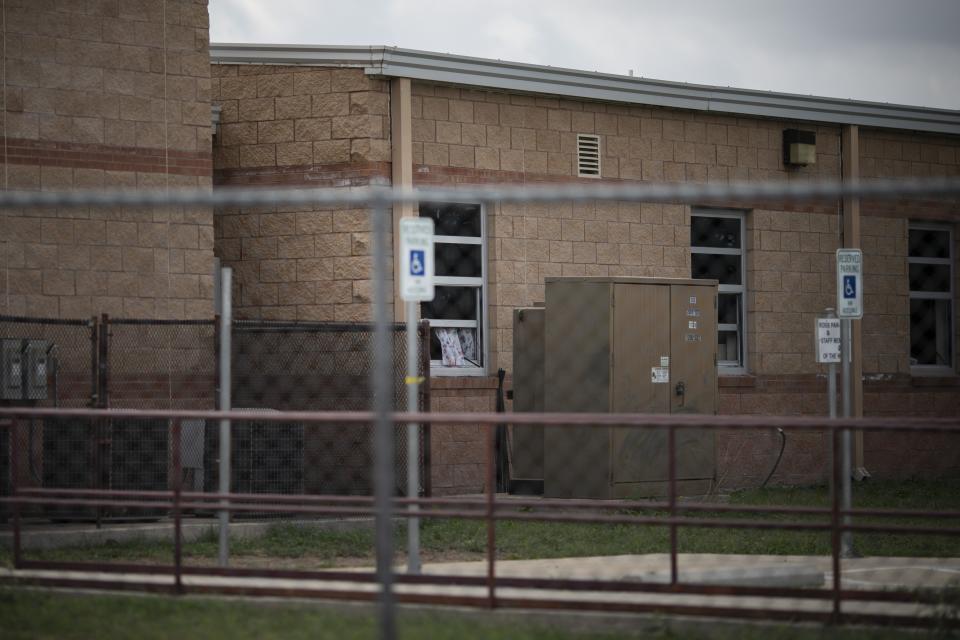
(840, 602)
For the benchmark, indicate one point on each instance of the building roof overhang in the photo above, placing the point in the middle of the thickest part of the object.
(571, 83)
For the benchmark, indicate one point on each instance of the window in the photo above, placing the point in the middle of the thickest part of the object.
(930, 264)
(457, 314)
(717, 252)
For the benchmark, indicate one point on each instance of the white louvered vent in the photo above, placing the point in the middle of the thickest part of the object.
(588, 155)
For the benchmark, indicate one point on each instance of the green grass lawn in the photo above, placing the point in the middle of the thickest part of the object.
(445, 539)
(46, 614)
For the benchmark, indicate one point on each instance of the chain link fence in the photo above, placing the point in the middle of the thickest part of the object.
(50, 363)
(119, 363)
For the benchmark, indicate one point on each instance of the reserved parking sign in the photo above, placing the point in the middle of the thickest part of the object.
(416, 259)
(849, 283)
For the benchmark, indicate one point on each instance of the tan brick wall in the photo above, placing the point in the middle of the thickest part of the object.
(537, 135)
(103, 95)
(299, 263)
(886, 154)
(791, 277)
(130, 73)
(276, 116)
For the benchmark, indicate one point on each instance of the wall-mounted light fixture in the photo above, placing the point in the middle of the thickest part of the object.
(799, 147)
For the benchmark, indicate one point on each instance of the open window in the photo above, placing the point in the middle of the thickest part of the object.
(717, 252)
(457, 314)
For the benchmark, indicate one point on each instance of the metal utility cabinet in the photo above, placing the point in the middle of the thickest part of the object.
(628, 345)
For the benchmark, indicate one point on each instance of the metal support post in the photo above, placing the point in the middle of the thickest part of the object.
(847, 494)
(226, 320)
(15, 490)
(383, 471)
(832, 389)
(175, 436)
(413, 441)
(491, 494)
(672, 500)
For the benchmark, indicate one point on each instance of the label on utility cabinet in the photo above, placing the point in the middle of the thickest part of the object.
(659, 375)
(664, 361)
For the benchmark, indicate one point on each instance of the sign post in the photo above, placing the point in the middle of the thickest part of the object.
(849, 307)
(416, 285)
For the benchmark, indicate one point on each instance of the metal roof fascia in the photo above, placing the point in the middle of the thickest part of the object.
(583, 84)
(340, 56)
(515, 76)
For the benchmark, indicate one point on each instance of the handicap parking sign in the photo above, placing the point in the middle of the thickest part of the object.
(417, 262)
(850, 287)
(416, 259)
(849, 283)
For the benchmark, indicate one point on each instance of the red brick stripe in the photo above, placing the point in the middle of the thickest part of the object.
(353, 174)
(110, 158)
(341, 174)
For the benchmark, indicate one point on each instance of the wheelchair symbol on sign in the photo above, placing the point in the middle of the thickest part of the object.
(417, 263)
(849, 287)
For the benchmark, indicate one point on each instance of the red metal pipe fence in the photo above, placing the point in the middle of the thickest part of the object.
(490, 510)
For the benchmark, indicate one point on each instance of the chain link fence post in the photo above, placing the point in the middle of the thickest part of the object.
(383, 450)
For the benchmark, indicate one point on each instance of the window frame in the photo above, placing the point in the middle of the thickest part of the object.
(728, 367)
(934, 369)
(480, 284)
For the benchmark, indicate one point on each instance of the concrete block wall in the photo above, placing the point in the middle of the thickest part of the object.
(536, 136)
(303, 126)
(277, 116)
(298, 263)
(106, 95)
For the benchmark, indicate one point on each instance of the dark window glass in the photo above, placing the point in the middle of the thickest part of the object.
(451, 303)
(929, 277)
(930, 339)
(460, 260)
(728, 311)
(715, 232)
(725, 268)
(453, 219)
(929, 243)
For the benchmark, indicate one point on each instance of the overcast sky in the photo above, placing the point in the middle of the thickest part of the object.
(899, 51)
